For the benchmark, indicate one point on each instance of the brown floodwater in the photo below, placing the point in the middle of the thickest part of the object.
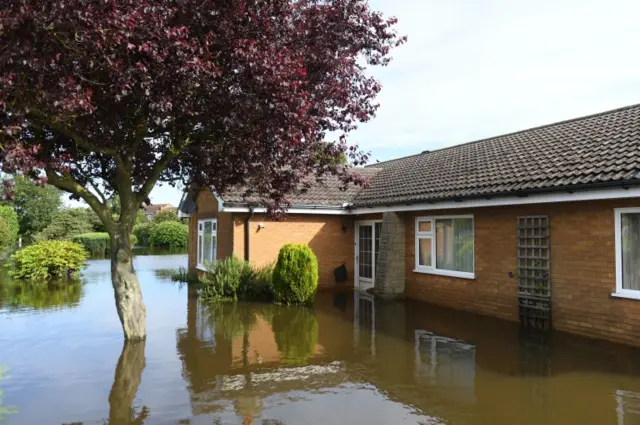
(348, 360)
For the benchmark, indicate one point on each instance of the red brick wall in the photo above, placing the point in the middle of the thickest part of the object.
(207, 207)
(582, 268)
(323, 233)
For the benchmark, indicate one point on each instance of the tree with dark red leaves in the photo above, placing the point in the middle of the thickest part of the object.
(111, 97)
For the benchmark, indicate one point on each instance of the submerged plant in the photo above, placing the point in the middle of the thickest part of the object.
(48, 260)
(295, 277)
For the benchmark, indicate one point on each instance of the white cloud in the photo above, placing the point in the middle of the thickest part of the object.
(477, 69)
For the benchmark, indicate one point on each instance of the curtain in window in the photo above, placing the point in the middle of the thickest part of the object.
(631, 251)
(454, 244)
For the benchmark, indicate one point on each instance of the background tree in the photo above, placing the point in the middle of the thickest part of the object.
(109, 98)
(68, 223)
(10, 219)
(36, 205)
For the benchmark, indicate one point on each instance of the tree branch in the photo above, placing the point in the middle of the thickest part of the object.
(68, 184)
(63, 129)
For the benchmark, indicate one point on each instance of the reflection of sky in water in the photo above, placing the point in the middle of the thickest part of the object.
(68, 364)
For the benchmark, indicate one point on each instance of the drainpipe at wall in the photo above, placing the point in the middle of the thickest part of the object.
(246, 235)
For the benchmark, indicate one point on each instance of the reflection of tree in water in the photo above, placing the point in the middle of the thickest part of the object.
(40, 296)
(296, 333)
(125, 386)
(4, 410)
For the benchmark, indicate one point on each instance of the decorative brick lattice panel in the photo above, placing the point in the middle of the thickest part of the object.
(534, 283)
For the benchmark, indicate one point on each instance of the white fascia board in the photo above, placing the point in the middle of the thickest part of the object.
(582, 195)
(317, 211)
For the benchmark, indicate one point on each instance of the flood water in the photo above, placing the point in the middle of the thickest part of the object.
(349, 360)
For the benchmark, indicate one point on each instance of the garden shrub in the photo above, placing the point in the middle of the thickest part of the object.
(225, 278)
(47, 260)
(170, 234)
(143, 233)
(97, 244)
(167, 215)
(296, 333)
(11, 220)
(295, 277)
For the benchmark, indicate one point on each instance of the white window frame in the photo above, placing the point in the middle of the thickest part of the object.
(214, 233)
(432, 235)
(621, 292)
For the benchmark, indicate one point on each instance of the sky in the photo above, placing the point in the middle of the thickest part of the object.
(474, 69)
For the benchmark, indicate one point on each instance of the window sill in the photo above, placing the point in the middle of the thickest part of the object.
(627, 295)
(461, 275)
(201, 268)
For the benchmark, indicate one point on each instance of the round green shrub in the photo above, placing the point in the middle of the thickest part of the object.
(98, 244)
(169, 234)
(296, 333)
(295, 277)
(47, 260)
(11, 220)
(143, 233)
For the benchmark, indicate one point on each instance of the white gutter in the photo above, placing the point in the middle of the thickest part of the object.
(556, 197)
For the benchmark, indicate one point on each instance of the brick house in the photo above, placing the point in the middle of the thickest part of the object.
(541, 226)
(150, 211)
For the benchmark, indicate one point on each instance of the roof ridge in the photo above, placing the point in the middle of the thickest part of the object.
(539, 127)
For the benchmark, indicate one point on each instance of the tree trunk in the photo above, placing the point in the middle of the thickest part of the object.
(126, 287)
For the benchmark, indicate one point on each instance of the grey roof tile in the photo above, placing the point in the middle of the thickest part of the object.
(585, 151)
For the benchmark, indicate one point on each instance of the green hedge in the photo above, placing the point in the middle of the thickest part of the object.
(11, 220)
(295, 277)
(169, 234)
(98, 244)
(47, 260)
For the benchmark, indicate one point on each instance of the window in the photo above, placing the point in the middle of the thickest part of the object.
(207, 232)
(444, 245)
(627, 222)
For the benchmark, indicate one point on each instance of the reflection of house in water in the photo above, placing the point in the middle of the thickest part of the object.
(364, 321)
(446, 363)
(628, 407)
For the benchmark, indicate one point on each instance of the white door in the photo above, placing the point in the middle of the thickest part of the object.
(367, 248)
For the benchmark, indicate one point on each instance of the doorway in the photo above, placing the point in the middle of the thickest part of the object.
(367, 248)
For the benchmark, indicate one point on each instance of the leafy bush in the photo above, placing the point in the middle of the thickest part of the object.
(97, 244)
(143, 233)
(48, 259)
(170, 234)
(224, 278)
(68, 223)
(296, 333)
(5, 236)
(166, 215)
(11, 220)
(295, 277)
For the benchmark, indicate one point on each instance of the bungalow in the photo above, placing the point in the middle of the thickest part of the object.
(540, 226)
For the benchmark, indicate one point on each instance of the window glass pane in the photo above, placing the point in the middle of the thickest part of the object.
(424, 226)
(454, 244)
(631, 251)
(214, 250)
(424, 252)
(200, 257)
(365, 244)
(207, 256)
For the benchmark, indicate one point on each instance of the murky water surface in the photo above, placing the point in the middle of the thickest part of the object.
(349, 360)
